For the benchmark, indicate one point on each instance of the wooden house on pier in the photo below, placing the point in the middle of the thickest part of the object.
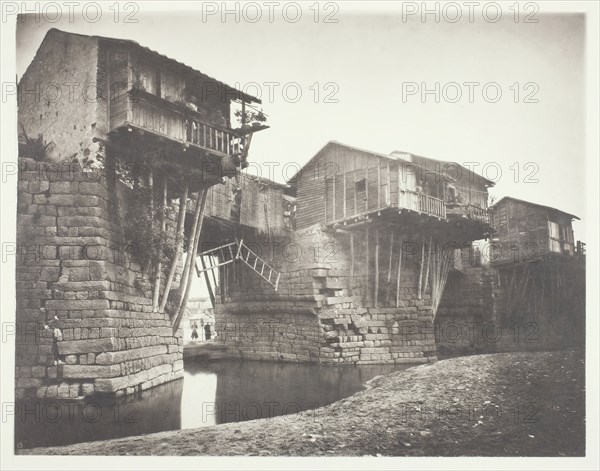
(541, 271)
(363, 273)
(527, 231)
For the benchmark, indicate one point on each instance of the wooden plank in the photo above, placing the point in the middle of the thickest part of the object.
(367, 187)
(389, 277)
(398, 275)
(420, 285)
(344, 203)
(178, 244)
(344, 183)
(427, 266)
(378, 185)
(194, 251)
(339, 197)
(333, 197)
(388, 197)
(399, 187)
(373, 189)
(368, 292)
(355, 202)
(351, 262)
(163, 226)
(376, 266)
(129, 71)
(211, 293)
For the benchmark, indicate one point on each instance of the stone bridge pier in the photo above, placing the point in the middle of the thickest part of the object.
(75, 272)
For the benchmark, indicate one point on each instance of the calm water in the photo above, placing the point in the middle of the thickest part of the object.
(210, 393)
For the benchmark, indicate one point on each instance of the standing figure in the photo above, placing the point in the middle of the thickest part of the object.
(57, 336)
(207, 332)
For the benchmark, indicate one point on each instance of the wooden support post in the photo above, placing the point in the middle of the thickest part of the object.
(226, 280)
(419, 292)
(427, 266)
(441, 282)
(399, 185)
(389, 277)
(388, 287)
(355, 200)
(151, 204)
(398, 275)
(434, 275)
(207, 280)
(186, 294)
(367, 268)
(163, 227)
(221, 283)
(212, 271)
(378, 185)
(367, 188)
(376, 267)
(344, 202)
(188, 259)
(388, 195)
(351, 263)
(333, 198)
(178, 245)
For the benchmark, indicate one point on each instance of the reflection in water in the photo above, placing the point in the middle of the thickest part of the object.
(60, 422)
(211, 393)
(251, 390)
(200, 390)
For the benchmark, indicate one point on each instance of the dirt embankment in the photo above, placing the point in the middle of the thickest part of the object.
(509, 404)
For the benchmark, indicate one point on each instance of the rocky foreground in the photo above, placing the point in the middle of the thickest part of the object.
(508, 404)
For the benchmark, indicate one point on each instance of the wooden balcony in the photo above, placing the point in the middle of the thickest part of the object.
(469, 211)
(149, 113)
(417, 203)
(422, 203)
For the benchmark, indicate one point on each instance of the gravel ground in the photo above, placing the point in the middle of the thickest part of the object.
(506, 404)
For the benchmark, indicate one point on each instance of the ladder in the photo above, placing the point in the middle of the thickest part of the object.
(258, 265)
(224, 254)
(229, 253)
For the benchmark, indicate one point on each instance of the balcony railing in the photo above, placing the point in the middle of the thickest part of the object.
(211, 137)
(422, 202)
(156, 115)
(470, 211)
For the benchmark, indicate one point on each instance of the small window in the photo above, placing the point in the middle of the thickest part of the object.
(360, 186)
(554, 230)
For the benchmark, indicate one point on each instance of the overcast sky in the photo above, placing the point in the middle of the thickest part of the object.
(367, 60)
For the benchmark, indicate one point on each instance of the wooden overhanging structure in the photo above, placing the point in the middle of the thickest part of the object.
(164, 109)
(344, 185)
(527, 232)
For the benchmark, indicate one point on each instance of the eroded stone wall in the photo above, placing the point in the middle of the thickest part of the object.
(467, 319)
(479, 312)
(73, 263)
(318, 314)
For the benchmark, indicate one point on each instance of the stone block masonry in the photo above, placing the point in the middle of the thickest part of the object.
(322, 311)
(73, 263)
(480, 314)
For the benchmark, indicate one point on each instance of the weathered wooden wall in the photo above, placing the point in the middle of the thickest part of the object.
(262, 204)
(327, 188)
(341, 182)
(522, 231)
